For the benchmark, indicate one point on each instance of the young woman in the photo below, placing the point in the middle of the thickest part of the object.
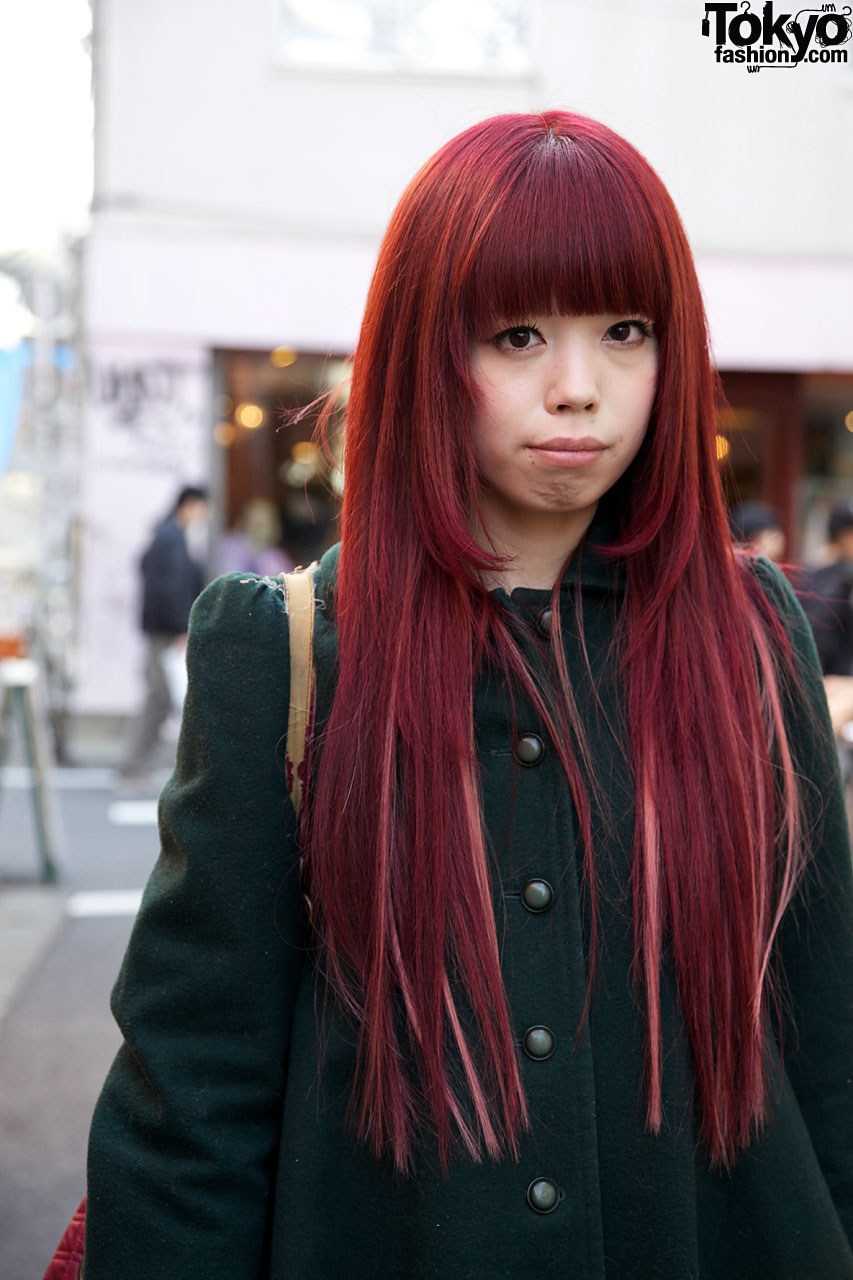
(575, 994)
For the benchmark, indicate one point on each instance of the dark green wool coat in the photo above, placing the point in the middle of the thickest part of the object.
(217, 1153)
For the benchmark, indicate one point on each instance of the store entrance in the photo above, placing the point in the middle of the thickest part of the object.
(788, 442)
(279, 494)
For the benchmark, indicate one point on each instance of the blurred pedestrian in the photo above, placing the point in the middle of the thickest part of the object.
(825, 587)
(554, 976)
(757, 525)
(824, 591)
(254, 544)
(171, 581)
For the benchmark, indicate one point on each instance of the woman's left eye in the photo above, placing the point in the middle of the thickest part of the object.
(629, 333)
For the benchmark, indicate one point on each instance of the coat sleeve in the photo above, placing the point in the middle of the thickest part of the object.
(816, 937)
(184, 1137)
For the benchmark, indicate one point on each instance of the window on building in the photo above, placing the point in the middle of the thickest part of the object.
(480, 36)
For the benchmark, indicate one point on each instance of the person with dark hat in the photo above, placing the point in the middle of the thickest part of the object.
(758, 526)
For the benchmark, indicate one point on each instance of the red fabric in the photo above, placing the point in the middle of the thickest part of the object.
(65, 1264)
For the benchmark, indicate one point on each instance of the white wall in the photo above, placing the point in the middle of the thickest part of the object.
(197, 115)
(238, 202)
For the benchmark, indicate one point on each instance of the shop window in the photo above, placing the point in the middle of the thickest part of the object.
(479, 36)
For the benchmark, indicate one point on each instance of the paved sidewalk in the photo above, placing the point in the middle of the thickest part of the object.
(30, 916)
(56, 1045)
(60, 951)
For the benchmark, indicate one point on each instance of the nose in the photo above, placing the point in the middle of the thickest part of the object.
(573, 382)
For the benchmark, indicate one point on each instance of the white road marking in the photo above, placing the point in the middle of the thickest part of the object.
(103, 902)
(18, 777)
(133, 813)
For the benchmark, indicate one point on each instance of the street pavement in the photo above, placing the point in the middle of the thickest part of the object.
(60, 951)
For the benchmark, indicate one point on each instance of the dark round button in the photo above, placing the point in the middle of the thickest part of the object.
(529, 749)
(543, 622)
(537, 895)
(543, 1195)
(539, 1043)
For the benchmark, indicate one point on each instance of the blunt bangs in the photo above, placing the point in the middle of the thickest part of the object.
(566, 233)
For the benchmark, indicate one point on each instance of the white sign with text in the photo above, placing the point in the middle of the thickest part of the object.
(147, 434)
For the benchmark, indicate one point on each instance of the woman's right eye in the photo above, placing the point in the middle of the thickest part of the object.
(519, 338)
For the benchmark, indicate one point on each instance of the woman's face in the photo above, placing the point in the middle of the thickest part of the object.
(565, 402)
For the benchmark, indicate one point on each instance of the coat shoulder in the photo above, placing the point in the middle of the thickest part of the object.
(240, 600)
(251, 602)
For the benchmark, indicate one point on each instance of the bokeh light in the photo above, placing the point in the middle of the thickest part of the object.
(250, 416)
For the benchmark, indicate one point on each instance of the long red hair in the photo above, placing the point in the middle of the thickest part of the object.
(518, 216)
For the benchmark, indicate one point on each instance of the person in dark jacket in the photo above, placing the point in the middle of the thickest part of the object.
(826, 593)
(573, 996)
(171, 581)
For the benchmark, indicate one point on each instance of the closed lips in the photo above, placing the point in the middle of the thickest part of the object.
(566, 445)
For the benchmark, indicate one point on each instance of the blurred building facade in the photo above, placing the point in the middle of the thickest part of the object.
(248, 157)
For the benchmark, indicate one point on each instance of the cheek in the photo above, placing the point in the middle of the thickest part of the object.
(651, 390)
(481, 417)
(487, 431)
(635, 411)
(643, 402)
(481, 444)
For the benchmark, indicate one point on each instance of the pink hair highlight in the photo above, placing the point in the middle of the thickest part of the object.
(518, 216)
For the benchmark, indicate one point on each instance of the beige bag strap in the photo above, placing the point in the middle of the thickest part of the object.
(299, 594)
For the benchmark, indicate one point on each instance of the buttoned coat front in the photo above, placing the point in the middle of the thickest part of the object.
(220, 1148)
